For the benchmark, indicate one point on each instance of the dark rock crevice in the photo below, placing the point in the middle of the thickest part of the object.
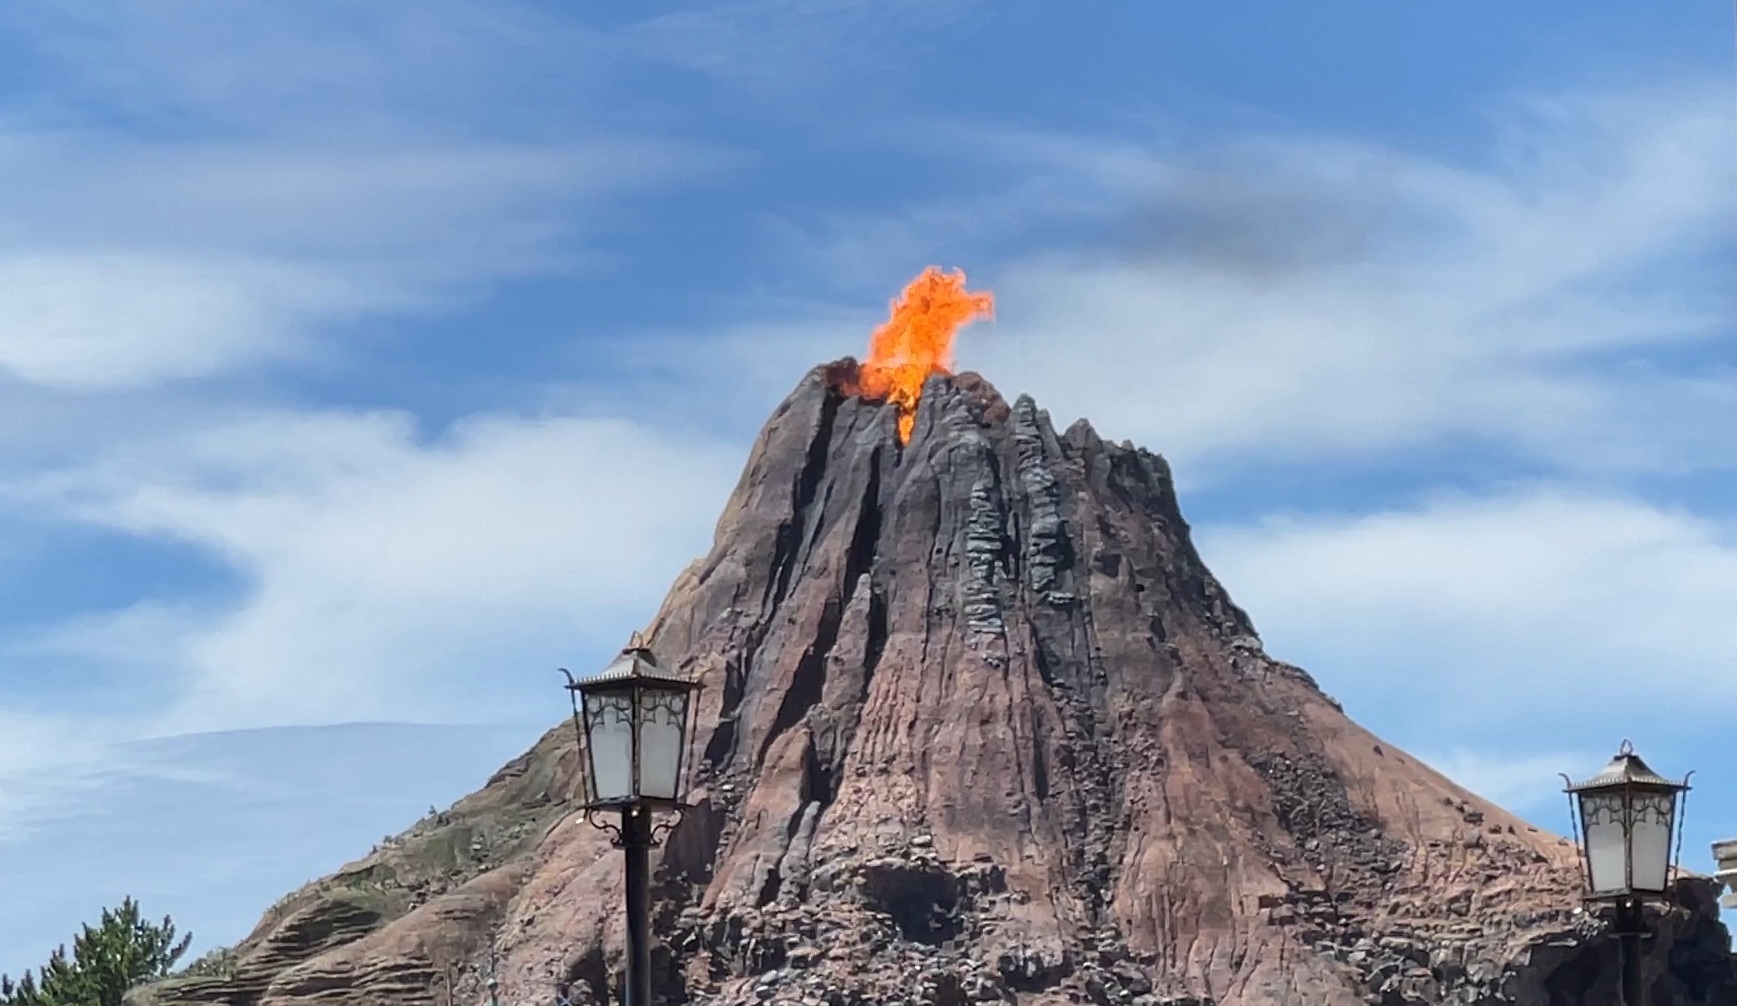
(788, 543)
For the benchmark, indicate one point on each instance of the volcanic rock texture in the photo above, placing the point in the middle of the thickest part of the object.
(979, 725)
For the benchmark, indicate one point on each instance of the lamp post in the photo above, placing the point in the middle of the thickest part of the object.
(631, 720)
(1625, 817)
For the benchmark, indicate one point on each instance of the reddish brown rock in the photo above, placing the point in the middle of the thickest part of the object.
(978, 725)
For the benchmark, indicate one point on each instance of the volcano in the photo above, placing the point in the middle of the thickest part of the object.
(978, 725)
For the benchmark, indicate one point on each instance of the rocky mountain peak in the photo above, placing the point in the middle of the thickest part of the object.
(979, 725)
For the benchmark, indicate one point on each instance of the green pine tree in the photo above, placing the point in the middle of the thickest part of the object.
(22, 994)
(106, 961)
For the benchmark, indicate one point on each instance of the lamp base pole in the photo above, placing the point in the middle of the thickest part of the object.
(1629, 931)
(636, 843)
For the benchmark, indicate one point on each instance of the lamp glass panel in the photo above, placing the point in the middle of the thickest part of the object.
(609, 736)
(663, 717)
(1650, 816)
(1604, 824)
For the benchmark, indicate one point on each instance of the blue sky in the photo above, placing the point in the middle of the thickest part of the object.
(360, 363)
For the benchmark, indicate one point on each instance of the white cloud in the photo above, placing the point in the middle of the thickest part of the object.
(1549, 609)
(383, 195)
(1473, 303)
(48, 764)
(209, 189)
(101, 321)
(390, 578)
(203, 187)
(1286, 298)
(187, 261)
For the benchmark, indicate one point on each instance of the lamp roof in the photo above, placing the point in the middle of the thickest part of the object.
(1627, 769)
(635, 663)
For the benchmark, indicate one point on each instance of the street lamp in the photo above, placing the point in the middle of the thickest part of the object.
(1625, 818)
(631, 720)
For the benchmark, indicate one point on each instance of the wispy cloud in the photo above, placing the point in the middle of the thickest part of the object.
(104, 320)
(772, 46)
(49, 763)
(323, 67)
(198, 194)
(1560, 610)
(183, 261)
(196, 188)
(386, 573)
(1555, 297)
(1391, 301)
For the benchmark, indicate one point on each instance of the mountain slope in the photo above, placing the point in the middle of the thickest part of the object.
(978, 724)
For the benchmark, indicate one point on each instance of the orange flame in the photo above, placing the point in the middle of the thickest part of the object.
(917, 340)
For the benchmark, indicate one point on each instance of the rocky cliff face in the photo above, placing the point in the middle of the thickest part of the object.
(979, 725)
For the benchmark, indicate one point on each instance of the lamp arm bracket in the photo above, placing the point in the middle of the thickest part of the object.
(603, 825)
(662, 829)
